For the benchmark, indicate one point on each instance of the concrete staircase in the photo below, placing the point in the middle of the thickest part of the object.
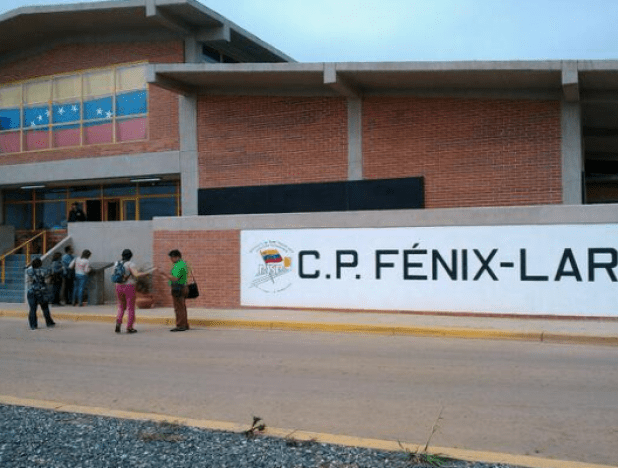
(13, 289)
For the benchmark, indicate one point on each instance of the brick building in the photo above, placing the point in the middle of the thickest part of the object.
(162, 108)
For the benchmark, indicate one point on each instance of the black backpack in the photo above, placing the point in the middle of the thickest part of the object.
(39, 287)
(119, 276)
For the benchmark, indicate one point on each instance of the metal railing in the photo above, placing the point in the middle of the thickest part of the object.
(28, 246)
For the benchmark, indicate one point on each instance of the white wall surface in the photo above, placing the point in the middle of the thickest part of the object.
(107, 240)
(539, 270)
(7, 238)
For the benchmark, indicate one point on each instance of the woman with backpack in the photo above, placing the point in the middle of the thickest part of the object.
(125, 274)
(38, 293)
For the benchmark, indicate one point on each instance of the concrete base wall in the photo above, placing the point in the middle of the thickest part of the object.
(106, 241)
(211, 244)
(502, 216)
(7, 238)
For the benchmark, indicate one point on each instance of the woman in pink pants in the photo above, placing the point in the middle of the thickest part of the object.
(125, 291)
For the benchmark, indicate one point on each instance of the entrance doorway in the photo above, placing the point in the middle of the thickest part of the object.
(112, 210)
(93, 210)
(119, 209)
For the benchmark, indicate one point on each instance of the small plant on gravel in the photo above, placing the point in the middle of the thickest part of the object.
(293, 442)
(164, 431)
(255, 428)
(421, 457)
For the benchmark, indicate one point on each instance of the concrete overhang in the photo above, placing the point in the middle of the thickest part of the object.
(598, 80)
(240, 78)
(118, 169)
(533, 79)
(572, 81)
(30, 28)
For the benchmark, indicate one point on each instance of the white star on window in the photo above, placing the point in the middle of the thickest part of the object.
(33, 124)
(47, 113)
(61, 111)
(108, 114)
(99, 111)
(40, 117)
(74, 108)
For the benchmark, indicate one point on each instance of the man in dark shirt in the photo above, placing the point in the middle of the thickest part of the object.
(76, 213)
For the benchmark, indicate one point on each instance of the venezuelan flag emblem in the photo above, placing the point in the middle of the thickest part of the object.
(271, 256)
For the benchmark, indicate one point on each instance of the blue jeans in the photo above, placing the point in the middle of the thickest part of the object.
(33, 302)
(78, 288)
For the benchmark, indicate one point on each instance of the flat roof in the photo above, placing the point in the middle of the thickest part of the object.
(590, 79)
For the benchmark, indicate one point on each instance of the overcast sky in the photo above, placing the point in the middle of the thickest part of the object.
(410, 30)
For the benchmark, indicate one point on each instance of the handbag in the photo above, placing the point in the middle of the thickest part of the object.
(192, 289)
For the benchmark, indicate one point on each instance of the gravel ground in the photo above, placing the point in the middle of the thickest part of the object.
(31, 437)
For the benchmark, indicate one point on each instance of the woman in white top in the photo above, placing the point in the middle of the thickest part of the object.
(125, 291)
(82, 268)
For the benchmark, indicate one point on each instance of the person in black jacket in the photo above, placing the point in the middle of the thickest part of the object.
(76, 213)
(38, 293)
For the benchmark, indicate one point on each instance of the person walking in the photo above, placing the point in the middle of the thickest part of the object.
(68, 275)
(125, 276)
(38, 293)
(178, 282)
(82, 268)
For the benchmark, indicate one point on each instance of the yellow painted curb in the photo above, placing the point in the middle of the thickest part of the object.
(377, 444)
(470, 333)
(376, 329)
(579, 339)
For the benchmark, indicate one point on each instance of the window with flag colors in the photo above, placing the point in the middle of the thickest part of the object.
(93, 107)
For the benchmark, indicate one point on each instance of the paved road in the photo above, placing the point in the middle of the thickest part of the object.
(555, 401)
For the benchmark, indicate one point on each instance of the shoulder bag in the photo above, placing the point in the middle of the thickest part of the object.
(192, 289)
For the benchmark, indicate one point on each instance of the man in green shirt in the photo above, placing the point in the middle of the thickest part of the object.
(178, 282)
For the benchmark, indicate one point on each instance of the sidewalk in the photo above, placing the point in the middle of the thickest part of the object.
(582, 331)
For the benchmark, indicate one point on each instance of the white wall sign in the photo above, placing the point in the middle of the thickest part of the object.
(555, 270)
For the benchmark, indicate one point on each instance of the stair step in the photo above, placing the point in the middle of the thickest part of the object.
(14, 273)
(13, 299)
(8, 286)
(13, 288)
(18, 270)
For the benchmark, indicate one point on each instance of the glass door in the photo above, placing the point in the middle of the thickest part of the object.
(112, 210)
(129, 210)
(118, 209)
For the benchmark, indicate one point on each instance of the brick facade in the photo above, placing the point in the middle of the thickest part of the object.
(471, 152)
(248, 140)
(215, 259)
(162, 104)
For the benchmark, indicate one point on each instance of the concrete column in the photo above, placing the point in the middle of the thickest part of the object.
(355, 139)
(193, 50)
(572, 154)
(189, 180)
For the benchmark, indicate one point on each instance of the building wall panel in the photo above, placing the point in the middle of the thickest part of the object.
(214, 257)
(470, 152)
(249, 140)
